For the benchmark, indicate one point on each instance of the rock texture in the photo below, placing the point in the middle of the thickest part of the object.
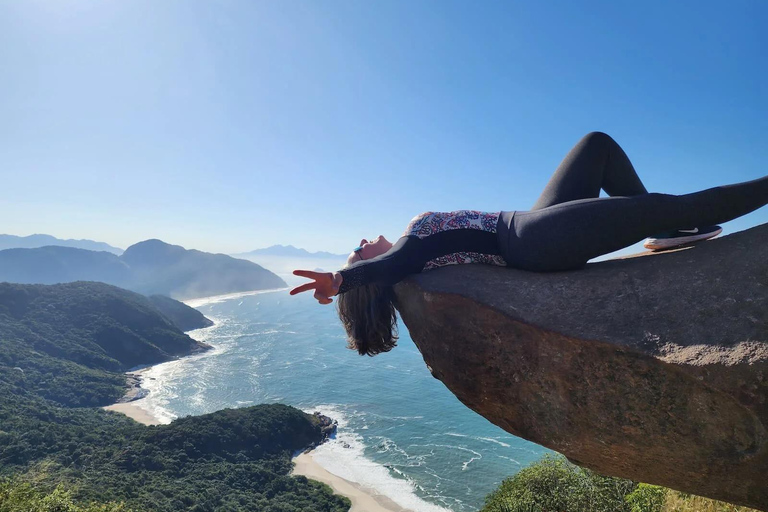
(653, 368)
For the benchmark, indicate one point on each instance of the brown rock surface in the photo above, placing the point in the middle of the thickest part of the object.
(653, 368)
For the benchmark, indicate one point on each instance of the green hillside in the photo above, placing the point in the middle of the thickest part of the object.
(71, 342)
(64, 347)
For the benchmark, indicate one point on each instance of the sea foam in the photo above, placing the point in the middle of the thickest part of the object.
(158, 380)
(344, 456)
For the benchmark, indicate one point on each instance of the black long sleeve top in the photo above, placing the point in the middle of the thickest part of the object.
(448, 239)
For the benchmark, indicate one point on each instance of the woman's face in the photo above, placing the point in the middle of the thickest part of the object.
(368, 250)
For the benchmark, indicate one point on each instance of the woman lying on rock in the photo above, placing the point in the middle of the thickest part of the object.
(569, 225)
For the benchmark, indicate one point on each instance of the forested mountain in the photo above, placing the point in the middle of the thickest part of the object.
(63, 347)
(231, 460)
(54, 264)
(172, 270)
(150, 267)
(72, 341)
(33, 241)
(182, 316)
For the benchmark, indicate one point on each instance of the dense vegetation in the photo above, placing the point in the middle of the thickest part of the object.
(226, 461)
(23, 497)
(62, 347)
(182, 316)
(53, 264)
(555, 485)
(70, 342)
(149, 267)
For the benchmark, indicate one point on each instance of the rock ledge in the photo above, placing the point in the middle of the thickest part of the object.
(653, 368)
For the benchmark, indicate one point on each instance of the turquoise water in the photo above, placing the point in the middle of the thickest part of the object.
(401, 432)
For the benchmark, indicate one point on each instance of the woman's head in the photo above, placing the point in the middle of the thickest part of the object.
(368, 312)
(367, 250)
(369, 316)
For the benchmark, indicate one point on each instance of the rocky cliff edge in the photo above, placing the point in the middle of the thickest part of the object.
(653, 367)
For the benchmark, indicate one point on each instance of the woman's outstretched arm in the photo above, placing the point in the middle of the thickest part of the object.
(404, 258)
(408, 256)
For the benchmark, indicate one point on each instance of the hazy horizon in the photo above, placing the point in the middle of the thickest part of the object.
(171, 243)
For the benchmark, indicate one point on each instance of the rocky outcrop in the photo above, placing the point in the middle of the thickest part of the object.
(327, 426)
(653, 368)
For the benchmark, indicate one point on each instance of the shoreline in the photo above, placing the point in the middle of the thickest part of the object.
(134, 411)
(202, 301)
(128, 403)
(363, 499)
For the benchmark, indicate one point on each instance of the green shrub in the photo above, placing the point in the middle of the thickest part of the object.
(22, 497)
(676, 501)
(555, 485)
(647, 498)
(519, 507)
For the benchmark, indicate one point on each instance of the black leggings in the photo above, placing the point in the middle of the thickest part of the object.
(570, 224)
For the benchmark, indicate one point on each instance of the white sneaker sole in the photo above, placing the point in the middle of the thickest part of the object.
(656, 244)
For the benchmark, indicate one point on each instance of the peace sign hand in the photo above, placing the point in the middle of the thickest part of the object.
(326, 284)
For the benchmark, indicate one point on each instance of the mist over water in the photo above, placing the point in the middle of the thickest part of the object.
(401, 432)
(284, 266)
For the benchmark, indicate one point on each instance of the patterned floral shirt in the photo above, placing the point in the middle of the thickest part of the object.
(429, 223)
(431, 240)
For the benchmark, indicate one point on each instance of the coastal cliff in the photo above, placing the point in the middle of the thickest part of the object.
(73, 341)
(63, 350)
(652, 368)
(182, 316)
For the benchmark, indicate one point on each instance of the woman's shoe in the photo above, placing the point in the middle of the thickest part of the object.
(681, 237)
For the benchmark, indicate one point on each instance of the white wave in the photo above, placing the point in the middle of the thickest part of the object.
(344, 457)
(492, 440)
(475, 455)
(202, 301)
(477, 438)
(509, 458)
(158, 379)
(466, 464)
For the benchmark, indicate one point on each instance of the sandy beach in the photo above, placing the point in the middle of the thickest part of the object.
(133, 411)
(362, 500)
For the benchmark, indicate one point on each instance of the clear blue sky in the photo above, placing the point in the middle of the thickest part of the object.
(231, 125)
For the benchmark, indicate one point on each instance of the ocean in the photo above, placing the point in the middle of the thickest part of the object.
(401, 432)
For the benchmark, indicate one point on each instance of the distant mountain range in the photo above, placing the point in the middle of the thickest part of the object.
(34, 241)
(149, 267)
(290, 251)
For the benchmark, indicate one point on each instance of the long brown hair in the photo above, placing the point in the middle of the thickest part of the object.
(369, 316)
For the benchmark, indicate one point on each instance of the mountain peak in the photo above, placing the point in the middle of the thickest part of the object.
(152, 251)
(41, 240)
(151, 267)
